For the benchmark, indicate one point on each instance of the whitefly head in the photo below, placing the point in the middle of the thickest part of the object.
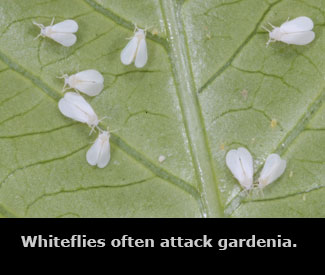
(45, 31)
(276, 34)
(140, 33)
(41, 26)
(66, 81)
(104, 136)
(72, 80)
(92, 120)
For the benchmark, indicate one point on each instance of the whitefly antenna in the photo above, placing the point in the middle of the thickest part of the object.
(270, 40)
(41, 26)
(64, 76)
(265, 28)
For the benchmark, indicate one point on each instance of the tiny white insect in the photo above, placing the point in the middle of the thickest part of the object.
(62, 32)
(90, 82)
(240, 163)
(136, 49)
(76, 107)
(273, 168)
(297, 31)
(161, 158)
(99, 153)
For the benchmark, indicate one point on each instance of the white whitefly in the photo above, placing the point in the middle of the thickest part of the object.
(161, 158)
(62, 32)
(90, 82)
(136, 50)
(273, 168)
(297, 31)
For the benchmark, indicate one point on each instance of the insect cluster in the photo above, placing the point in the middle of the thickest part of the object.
(91, 83)
(240, 162)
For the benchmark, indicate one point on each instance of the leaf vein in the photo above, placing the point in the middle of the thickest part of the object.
(83, 189)
(40, 132)
(41, 162)
(52, 94)
(123, 22)
(189, 105)
(239, 49)
(22, 113)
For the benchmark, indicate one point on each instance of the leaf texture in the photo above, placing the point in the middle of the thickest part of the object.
(210, 85)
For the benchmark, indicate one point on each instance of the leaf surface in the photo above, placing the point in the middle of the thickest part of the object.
(210, 85)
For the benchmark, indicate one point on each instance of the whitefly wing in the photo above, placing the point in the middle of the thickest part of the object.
(99, 152)
(80, 102)
(90, 88)
(91, 76)
(65, 39)
(77, 108)
(233, 163)
(270, 164)
(141, 55)
(298, 38)
(66, 26)
(299, 24)
(89, 82)
(93, 153)
(273, 168)
(246, 161)
(128, 53)
(72, 111)
(104, 153)
(240, 163)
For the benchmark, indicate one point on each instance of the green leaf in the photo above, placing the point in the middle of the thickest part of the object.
(210, 85)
